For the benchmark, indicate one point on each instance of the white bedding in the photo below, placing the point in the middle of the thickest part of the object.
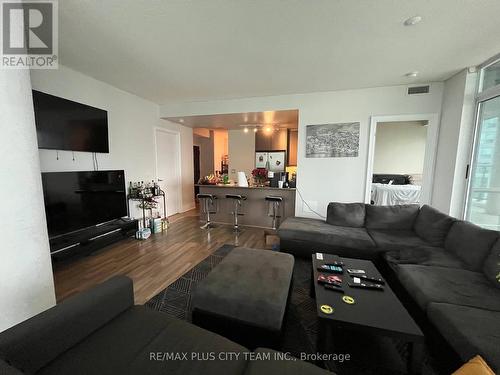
(384, 194)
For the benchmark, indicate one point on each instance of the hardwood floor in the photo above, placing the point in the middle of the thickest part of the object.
(155, 263)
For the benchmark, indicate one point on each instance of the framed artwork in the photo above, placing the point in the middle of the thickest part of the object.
(332, 140)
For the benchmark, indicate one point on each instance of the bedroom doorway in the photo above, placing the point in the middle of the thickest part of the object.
(401, 159)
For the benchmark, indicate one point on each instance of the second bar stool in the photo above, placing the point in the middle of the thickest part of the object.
(276, 203)
(209, 207)
(237, 204)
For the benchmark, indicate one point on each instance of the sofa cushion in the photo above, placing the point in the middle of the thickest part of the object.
(273, 364)
(318, 231)
(470, 243)
(124, 345)
(395, 239)
(55, 328)
(110, 349)
(491, 267)
(401, 217)
(213, 354)
(346, 214)
(433, 225)
(428, 284)
(425, 256)
(470, 331)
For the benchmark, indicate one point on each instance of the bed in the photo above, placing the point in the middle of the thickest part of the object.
(389, 194)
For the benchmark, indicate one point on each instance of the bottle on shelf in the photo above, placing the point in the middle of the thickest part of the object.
(154, 188)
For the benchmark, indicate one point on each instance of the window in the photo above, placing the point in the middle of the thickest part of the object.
(483, 197)
(490, 76)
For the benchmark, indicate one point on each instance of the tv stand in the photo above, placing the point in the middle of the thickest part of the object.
(91, 239)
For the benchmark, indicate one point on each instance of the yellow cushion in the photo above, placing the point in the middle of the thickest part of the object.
(476, 366)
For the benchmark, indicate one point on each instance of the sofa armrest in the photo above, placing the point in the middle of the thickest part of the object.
(32, 344)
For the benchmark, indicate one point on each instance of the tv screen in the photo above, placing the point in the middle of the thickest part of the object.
(62, 124)
(77, 200)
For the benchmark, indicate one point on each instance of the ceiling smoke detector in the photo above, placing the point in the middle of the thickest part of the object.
(411, 74)
(412, 21)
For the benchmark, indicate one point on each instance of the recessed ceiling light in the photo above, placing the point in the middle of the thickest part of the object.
(181, 120)
(411, 74)
(412, 21)
(245, 130)
(255, 130)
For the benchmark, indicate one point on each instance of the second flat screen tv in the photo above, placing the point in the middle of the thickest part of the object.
(62, 124)
(77, 200)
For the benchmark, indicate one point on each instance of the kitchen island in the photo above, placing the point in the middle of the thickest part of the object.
(255, 208)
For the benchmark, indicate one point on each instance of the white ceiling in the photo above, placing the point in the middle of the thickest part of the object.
(180, 50)
(276, 119)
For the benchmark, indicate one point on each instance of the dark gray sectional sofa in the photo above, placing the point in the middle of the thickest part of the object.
(449, 267)
(100, 331)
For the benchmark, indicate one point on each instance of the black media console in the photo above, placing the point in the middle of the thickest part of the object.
(91, 239)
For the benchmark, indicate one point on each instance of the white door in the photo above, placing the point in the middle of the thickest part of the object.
(168, 168)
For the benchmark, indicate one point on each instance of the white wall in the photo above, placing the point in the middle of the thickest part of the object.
(400, 147)
(241, 151)
(332, 179)
(26, 283)
(131, 121)
(455, 142)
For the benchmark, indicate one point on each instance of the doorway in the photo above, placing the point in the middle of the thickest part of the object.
(401, 158)
(196, 169)
(168, 168)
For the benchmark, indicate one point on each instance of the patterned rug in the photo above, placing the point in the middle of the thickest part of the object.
(369, 356)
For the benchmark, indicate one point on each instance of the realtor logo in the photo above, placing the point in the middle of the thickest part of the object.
(29, 34)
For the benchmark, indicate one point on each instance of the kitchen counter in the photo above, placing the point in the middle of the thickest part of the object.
(255, 208)
(244, 187)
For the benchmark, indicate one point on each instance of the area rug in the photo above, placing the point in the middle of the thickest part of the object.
(369, 355)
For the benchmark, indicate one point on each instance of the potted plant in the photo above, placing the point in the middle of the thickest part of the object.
(260, 176)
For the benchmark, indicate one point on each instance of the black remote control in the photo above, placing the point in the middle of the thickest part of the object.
(368, 278)
(366, 286)
(334, 288)
(330, 268)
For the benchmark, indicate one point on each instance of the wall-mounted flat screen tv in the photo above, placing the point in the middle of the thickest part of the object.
(77, 200)
(62, 124)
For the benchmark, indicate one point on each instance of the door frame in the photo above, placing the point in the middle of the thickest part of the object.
(177, 134)
(430, 150)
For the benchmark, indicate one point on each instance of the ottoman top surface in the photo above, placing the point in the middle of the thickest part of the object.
(249, 285)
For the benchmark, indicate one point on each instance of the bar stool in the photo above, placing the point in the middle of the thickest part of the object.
(208, 202)
(237, 204)
(275, 203)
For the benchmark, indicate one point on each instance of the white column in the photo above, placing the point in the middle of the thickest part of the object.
(26, 281)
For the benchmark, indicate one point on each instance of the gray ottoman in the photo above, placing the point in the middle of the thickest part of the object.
(245, 297)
